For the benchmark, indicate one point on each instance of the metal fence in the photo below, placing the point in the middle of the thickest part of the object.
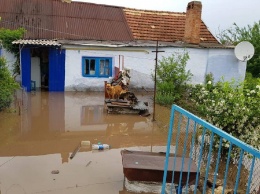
(207, 159)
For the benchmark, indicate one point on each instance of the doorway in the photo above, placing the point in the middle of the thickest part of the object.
(45, 64)
(40, 67)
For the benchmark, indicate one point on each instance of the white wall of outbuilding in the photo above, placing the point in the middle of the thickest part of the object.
(222, 63)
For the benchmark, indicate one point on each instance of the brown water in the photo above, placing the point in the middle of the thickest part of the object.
(38, 139)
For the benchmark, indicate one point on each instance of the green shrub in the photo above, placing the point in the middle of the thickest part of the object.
(7, 85)
(251, 82)
(165, 98)
(231, 107)
(7, 36)
(172, 78)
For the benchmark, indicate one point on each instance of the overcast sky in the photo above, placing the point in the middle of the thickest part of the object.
(217, 14)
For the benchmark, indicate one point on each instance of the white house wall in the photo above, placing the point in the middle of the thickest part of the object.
(141, 62)
(222, 63)
(197, 64)
(10, 59)
(74, 81)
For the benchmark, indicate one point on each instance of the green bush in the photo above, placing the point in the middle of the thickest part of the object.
(251, 82)
(165, 99)
(7, 36)
(232, 107)
(172, 78)
(7, 85)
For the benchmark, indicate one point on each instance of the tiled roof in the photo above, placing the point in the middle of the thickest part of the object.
(55, 20)
(161, 25)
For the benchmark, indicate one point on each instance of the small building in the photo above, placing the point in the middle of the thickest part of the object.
(77, 46)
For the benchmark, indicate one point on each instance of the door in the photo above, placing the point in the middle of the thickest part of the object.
(56, 69)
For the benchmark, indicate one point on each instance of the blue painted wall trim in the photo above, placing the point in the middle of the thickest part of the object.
(56, 69)
(26, 68)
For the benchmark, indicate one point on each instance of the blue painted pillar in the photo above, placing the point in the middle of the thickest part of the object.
(26, 68)
(56, 69)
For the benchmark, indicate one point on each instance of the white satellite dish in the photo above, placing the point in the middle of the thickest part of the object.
(244, 51)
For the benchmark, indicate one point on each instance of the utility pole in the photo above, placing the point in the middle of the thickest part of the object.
(155, 79)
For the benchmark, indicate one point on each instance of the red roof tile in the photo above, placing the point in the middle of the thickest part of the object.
(161, 25)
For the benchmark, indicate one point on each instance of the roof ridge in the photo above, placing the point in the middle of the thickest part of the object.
(154, 11)
(129, 8)
(98, 4)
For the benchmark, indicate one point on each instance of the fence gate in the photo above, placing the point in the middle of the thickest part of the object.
(207, 159)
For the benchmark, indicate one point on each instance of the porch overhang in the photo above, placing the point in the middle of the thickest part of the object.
(37, 42)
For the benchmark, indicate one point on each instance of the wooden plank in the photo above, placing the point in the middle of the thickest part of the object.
(144, 166)
(120, 104)
(115, 100)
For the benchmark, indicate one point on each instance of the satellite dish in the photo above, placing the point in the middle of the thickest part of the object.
(244, 51)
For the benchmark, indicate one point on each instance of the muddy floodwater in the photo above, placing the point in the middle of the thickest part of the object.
(43, 130)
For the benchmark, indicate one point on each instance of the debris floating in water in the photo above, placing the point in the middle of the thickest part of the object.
(85, 143)
(88, 163)
(75, 151)
(55, 172)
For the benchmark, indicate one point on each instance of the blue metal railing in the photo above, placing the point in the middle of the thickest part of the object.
(216, 160)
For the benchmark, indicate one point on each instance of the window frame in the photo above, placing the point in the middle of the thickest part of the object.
(97, 67)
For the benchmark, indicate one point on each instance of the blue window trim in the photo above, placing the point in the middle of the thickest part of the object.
(97, 65)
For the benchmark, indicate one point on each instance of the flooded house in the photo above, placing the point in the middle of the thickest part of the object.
(77, 46)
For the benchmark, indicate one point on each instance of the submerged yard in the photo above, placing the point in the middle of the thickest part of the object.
(38, 138)
(40, 142)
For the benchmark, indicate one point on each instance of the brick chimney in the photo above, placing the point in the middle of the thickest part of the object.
(193, 22)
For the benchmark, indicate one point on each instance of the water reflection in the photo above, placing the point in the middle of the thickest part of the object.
(59, 112)
(43, 111)
(56, 122)
(68, 112)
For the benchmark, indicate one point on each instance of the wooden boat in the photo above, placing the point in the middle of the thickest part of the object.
(149, 167)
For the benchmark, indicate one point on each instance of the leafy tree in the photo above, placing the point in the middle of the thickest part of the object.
(172, 78)
(236, 34)
(8, 85)
(7, 36)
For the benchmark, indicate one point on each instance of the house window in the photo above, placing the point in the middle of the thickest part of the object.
(96, 67)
